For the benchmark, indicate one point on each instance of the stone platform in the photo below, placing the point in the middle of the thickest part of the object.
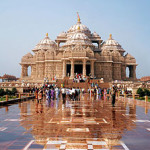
(88, 124)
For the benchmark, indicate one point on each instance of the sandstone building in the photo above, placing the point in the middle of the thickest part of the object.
(78, 51)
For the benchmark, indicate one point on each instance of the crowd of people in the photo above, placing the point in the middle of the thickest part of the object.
(52, 92)
(79, 78)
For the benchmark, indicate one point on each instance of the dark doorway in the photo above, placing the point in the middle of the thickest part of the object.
(68, 69)
(78, 68)
(88, 70)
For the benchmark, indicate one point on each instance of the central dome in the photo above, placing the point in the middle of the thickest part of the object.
(82, 27)
(78, 38)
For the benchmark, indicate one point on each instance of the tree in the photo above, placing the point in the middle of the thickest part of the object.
(2, 92)
(140, 92)
(8, 92)
(14, 91)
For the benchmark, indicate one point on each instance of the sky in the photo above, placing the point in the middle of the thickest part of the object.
(23, 23)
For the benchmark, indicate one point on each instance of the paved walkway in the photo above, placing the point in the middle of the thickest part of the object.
(88, 124)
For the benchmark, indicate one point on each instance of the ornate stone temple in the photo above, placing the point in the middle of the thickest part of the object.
(78, 51)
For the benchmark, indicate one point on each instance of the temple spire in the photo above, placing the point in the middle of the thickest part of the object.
(47, 34)
(110, 36)
(78, 17)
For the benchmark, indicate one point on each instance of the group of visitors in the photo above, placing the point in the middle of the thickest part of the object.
(52, 92)
(103, 93)
(79, 78)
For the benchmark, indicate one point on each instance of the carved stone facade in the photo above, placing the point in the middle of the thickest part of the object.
(78, 54)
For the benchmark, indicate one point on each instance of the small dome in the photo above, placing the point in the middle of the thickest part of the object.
(111, 41)
(45, 44)
(94, 34)
(28, 55)
(111, 44)
(78, 38)
(62, 34)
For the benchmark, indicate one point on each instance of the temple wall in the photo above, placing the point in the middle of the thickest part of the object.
(103, 70)
(116, 71)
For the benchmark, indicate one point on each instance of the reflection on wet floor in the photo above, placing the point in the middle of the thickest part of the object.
(89, 123)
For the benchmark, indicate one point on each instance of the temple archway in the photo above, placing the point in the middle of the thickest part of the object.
(127, 72)
(78, 68)
(29, 71)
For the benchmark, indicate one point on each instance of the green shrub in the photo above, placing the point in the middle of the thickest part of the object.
(14, 91)
(140, 92)
(8, 92)
(147, 92)
(2, 92)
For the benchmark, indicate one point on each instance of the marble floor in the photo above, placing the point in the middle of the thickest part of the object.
(90, 123)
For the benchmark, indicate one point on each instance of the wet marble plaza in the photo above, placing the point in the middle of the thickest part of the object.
(90, 123)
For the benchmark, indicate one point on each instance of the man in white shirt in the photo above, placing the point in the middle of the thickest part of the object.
(63, 91)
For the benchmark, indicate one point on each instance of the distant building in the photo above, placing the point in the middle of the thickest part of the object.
(145, 79)
(8, 78)
(78, 51)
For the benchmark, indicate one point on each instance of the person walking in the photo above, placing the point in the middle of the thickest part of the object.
(63, 91)
(57, 92)
(113, 96)
(52, 94)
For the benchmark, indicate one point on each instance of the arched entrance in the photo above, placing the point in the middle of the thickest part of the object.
(29, 70)
(88, 68)
(78, 68)
(129, 71)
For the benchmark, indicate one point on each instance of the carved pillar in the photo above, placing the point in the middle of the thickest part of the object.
(123, 72)
(25, 70)
(72, 69)
(22, 71)
(64, 68)
(134, 72)
(92, 68)
(84, 67)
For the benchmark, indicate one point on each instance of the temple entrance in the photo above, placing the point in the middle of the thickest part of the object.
(29, 71)
(78, 68)
(88, 69)
(129, 71)
(68, 69)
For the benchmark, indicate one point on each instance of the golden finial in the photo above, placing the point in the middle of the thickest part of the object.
(46, 34)
(110, 36)
(78, 28)
(78, 17)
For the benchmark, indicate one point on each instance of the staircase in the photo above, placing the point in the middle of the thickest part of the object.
(68, 83)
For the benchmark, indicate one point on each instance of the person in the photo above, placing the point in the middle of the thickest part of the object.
(78, 93)
(63, 91)
(73, 93)
(57, 92)
(113, 96)
(108, 93)
(52, 94)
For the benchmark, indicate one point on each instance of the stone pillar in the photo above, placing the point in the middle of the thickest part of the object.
(134, 72)
(22, 71)
(84, 67)
(92, 68)
(64, 68)
(25, 70)
(72, 69)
